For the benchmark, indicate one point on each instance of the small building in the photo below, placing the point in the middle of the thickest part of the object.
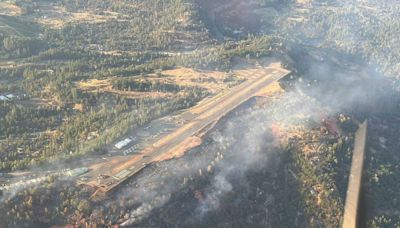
(121, 175)
(237, 32)
(7, 97)
(10, 96)
(77, 172)
(123, 143)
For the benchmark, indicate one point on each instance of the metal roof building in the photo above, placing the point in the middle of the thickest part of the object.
(123, 143)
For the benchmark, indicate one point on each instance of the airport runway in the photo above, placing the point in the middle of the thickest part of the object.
(207, 114)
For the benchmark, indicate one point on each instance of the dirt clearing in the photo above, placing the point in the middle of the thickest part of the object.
(10, 9)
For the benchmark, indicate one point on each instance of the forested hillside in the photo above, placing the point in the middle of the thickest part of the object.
(52, 117)
(367, 30)
(77, 75)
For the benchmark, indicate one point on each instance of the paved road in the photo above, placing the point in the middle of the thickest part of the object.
(207, 114)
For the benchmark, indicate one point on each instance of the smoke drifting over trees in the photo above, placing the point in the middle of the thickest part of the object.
(282, 163)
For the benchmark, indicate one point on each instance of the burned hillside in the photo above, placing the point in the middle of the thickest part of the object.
(286, 162)
(238, 18)
(305, 146)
